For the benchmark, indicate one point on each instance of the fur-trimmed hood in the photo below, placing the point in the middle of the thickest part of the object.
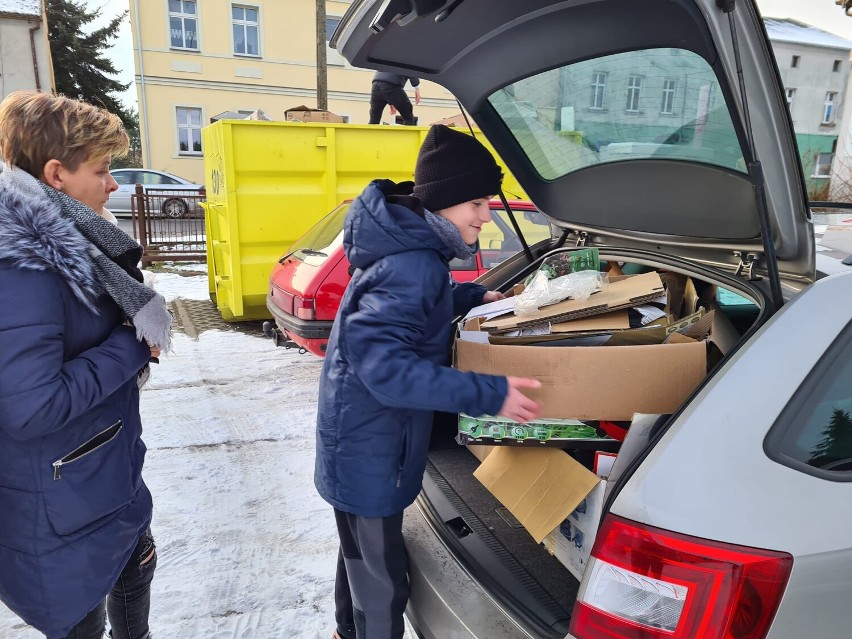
(33, 235)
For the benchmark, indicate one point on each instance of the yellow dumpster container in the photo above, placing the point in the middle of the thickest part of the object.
(269, 182)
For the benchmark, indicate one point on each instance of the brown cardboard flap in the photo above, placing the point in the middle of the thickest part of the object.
(617, 320)
(539, 486)
(622, 293)
(596, 382)
(480, 451)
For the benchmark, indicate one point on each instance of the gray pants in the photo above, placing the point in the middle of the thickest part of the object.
(371, 588)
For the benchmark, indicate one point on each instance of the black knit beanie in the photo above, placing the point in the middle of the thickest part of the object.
(454, 167)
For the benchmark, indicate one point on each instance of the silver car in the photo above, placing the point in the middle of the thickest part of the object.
(170, 195)
(657, 132)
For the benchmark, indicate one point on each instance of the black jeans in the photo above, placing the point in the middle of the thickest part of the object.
(129, 601)
(371, 587)
(384, 93)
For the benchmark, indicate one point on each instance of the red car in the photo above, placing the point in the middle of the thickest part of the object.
(307, 284)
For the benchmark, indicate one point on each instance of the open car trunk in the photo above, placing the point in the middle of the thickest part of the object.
(656, 133)
(481, 533)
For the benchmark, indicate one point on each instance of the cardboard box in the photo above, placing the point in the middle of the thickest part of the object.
(541, 487)
(596, 382)
(571, 542)
(302, 113)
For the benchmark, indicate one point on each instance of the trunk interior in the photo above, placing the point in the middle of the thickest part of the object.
(487, 539)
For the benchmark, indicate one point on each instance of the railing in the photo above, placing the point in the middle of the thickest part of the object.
(169, 224)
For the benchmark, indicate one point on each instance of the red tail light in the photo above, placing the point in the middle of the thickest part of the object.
(304, 308)
(645, 583)
(202, 191)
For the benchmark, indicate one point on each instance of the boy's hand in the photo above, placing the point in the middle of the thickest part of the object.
(492, 296)
(518, 406)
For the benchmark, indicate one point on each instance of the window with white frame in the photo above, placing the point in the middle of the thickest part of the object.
(791, 94)
(183, 24)
(667, 106)
(828, 109)
(822, 166)
(598, 90)
(189, 130)
(634, 87)
(246, 27)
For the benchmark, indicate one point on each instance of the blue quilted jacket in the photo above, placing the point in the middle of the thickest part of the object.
(385, 369)
(72, 500)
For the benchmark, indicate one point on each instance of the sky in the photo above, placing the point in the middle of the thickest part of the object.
(824, 14)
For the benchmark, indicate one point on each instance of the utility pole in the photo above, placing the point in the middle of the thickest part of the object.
(322, 62)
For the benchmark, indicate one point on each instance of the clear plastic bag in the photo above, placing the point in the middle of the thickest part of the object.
(541, 291)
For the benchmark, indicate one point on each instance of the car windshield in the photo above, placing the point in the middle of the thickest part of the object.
(655, 103)
(315, 246)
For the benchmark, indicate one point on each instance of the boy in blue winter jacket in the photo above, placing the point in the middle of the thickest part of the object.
(386, 369)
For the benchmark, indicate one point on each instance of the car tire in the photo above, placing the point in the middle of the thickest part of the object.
(174, 209)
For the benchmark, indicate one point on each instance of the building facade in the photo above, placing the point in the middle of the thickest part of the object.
(24, 49)
(814, 67)
(196, 59)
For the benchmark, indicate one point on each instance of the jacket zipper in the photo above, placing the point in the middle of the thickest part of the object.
(101, 439)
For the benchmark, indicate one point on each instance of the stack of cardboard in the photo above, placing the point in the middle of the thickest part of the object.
(651, 369)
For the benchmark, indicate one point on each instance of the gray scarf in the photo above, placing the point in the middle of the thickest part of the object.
(451, 236)
(114, 256)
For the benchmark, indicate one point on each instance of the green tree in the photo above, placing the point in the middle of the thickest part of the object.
(836, 441)
(80, 66)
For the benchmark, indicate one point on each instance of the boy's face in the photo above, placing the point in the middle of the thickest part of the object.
(468, 217)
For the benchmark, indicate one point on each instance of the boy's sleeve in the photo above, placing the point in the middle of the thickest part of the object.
(467, 296)
(40, 392)
(383, 338)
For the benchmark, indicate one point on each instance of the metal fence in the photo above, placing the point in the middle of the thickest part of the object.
(169, 224)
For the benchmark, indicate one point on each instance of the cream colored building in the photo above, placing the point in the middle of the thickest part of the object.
(196, 59)
(25, 61)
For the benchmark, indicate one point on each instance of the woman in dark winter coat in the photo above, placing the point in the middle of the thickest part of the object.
(77, 331)
(385, 370)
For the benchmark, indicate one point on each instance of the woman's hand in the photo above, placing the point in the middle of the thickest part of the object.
(492, 296)
(155, 350)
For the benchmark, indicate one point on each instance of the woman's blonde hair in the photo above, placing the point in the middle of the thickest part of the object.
(36, 127)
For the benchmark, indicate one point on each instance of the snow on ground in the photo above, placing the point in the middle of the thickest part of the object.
(247, 549)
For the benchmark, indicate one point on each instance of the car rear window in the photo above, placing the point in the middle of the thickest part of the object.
(655, 103)
(815, 430)
(499, 241)
(315, 246)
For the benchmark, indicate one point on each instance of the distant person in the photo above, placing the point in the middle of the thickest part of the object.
(387, 367)
(77, 332)
(389, 89)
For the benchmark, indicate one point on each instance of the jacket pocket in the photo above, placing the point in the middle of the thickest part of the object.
(89, 447)
(90, 482)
